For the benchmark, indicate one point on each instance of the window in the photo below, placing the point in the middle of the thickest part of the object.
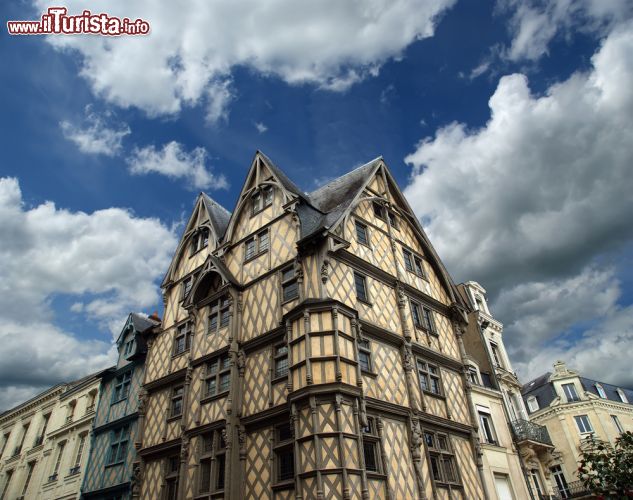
(78, 455)
(220, 314)
(429, 377)
(371, 443)
(584, 426)
(118, 445)
(128, 348)
(58, 461)
(218, 376)
(8, 475)
(122, 387)
(256, 245)
(600, 391)
(429, 322)
(176, 401)
(413, 263)
(360, 283)
(262, 199)
(187, 284)
(5, 440)
(289, 284)
(441, 458)
(494, 349)
(364, 355)
(212, 463)
(182, 341)
(361, 233)
(536, 482)
(281, 361)
(29, 475)
(617, 423)
(622, 396)
(171, 477)
(473, 375)
(486, 429)
(379, 210)
(199, 241)
(416, 314)
(393, 220)
(284, 455)
(25, 429)
(532, 403)
(570, 392)
(561, 482)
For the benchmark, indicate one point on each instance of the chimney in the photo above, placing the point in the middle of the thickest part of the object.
(154, 316)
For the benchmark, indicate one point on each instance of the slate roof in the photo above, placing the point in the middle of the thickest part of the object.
(543, 390)
(142, 323)
(219, 215)
(280, 174)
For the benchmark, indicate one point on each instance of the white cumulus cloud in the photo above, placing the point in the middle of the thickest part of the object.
(174, 162)
(528, 203)
(109, 258)
(97, 134)
(193, 46)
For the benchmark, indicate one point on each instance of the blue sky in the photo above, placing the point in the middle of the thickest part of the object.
(508, 124)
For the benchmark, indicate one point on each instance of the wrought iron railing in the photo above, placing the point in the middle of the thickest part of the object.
(52, 478)
(575, 489)
(90, 409)
(74, 470)
(526, 430)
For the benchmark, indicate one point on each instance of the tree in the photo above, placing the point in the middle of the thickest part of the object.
(607, 471)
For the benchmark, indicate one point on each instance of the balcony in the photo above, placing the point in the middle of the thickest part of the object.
(16, 451)
(69, 419)
(38, 441)
(90, 409)
(52, 478)
(575, 489)
(524, 430)
(74, 470)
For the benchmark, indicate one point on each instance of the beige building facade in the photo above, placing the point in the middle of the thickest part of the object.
(573, 407)
(515, 451)
(45, 442)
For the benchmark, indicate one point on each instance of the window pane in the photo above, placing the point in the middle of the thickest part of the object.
(407, 260)
(211, 386)
(435, 469)
(415, 311)
(226, 362)
(263, 241)
(225, 380)
(213, 323)
(361, 288)
(290, 291)
(220, 462)
(250, 248)
(257, 203)
(225, 318)
(435, 385)
(369, 450)
(378, 211)
(281, 366)
(363, 360)
(418, 267)
(268, 196)
(441, 443)
(205, 475)
(286, 465)
(288, 273)
(361, 233)
(424, 384)
(284, 432)
(449, 469)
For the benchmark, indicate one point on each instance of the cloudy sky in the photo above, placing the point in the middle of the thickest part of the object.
(508, 123)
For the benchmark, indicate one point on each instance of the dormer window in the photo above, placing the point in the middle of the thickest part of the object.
(570, 393)
(262, 199)
(600, 391)
(532, 403)
(128, 348)
(199, 240)
(622, 396)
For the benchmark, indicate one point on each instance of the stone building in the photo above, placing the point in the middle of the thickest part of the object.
(110, 471)
(517, 453)
(573, 407)
(45, 442)
(311, 347)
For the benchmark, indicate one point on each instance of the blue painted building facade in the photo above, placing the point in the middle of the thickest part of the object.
(110, 473)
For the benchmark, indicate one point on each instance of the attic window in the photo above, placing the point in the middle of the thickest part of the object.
(262, 199)
(532, 404)
(601, 392)
(623, 397)
(200, 240)
(380, 211)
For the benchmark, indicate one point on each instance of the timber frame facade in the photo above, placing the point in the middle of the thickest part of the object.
(311, 348)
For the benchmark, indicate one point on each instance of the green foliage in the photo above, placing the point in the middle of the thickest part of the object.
(607, 471)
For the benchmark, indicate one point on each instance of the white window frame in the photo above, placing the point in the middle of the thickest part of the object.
(586, 424)
(532, 403)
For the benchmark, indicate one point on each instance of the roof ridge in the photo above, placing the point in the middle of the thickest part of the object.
(346, 174)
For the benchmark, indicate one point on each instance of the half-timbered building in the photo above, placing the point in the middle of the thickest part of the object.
(311, 347)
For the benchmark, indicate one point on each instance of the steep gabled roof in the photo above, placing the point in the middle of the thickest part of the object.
(281, 176)
(218, 215)
(328, 203)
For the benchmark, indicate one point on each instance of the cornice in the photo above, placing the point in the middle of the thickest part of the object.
(33, 404)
